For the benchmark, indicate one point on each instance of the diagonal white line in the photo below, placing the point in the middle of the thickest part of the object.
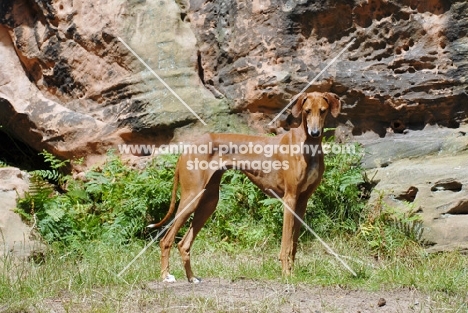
(162, 81)
(314, 233)
(313, 80)
(159, 234)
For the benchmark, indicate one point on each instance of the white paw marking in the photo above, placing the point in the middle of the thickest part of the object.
(169, 279)
(196, 280)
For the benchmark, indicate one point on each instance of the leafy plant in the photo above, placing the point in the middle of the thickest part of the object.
(387, 230)
(245, 215)
(114, 203)
(337, 205)
(52, 174)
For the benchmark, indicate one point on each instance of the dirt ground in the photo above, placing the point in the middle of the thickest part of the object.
(248, 295)
(242, 295)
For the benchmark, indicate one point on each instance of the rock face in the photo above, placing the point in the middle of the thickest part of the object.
(15, 236)
(425, 172)
(407, 66)
(68, 84)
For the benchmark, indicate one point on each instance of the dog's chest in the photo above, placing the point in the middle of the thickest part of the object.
(311, 176)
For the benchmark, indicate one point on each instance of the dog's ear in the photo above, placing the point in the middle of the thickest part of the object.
(297, 108)
(334, 103)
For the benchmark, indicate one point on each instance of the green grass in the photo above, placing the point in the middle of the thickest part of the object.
(95, 227)
(79, 277)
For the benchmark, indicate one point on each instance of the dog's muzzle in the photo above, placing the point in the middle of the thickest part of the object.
(315, 132)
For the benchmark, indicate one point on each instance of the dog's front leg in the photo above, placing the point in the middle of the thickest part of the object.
(287, 240)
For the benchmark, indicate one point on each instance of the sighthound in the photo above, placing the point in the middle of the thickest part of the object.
(294, 184)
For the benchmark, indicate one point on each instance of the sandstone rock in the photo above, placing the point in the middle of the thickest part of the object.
(406, 68)
(15, 236)
(432, 182)
(69, 85)
(381, 152)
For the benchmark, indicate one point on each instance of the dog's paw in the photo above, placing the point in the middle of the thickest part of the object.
(195, 280)
(169, 279)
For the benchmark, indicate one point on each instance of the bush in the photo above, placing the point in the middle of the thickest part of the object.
(337, 205)
(113, 203)
(388, 231)
(246, 215)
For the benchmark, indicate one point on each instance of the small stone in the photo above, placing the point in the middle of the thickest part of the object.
(381, 302)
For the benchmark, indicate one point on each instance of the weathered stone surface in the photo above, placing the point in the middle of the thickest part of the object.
(69, 85)
(15, 236)
(433, 140)
(431, 180)
(406, 68)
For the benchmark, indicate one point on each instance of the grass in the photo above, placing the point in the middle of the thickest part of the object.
(94, 229)
(88, 279)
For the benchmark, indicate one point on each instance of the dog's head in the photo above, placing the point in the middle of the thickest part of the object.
(314, 107)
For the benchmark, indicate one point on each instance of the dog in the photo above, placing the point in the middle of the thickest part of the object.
(292, 175)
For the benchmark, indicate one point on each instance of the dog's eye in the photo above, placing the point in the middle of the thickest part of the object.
(323, 110)
(307, 111)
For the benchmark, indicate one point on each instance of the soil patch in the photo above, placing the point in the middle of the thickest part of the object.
(248, 295)
(242, 295)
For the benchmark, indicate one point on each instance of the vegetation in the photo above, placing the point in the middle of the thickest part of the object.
(96, 225)
(87, 281)
(113, 203)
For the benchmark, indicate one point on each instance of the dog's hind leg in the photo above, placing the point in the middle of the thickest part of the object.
(183, 213)
(208, 203)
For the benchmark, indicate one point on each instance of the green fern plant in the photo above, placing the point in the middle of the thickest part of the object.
(336, 206)
(54, 173)
(113, 204)
(410, 224)
(388, 230)
(54, 162)
(244, 214)
(34, 200)
(50, 174)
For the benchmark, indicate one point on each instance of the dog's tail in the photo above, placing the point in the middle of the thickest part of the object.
(173, 199)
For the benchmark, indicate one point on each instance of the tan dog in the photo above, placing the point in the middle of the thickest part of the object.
(291, 174)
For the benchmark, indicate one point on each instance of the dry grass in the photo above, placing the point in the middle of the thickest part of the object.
(236, 280)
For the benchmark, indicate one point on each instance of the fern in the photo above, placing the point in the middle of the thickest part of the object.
(53, 161)
(52, 175)
(115, 202)
(336, 206)
(387, 230)
(409, 224)
(36, 198)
